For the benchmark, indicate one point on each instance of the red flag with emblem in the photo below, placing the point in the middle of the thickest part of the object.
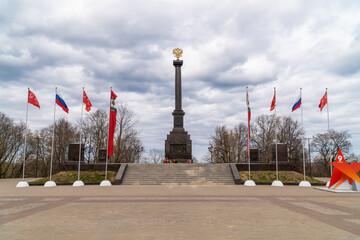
(87, 102)
(32, 99)
(323, 101)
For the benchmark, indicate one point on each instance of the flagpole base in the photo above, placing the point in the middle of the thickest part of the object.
(105, 183)
(22, 184)
(78, 183)
(249, 183)
(304, 184)
(50, 184)
(277, 183)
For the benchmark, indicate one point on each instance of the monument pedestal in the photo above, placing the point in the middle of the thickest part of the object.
(178, 146)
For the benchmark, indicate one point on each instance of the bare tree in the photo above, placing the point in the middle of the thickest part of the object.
(219, 145)
(240, 136)
(36, 163)
(128, 146)
(65, 133)
(290, 132)
(154, 156)
(353, 158)
(11, 145)
(227, 145)
(327, 147)
(263, 135)
(94, 134)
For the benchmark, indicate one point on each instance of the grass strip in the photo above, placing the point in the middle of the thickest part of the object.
(72, 176)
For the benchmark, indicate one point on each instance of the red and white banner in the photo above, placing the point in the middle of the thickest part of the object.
(273, 102)
(112, 124)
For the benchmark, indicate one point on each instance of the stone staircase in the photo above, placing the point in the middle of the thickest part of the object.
(169, 173)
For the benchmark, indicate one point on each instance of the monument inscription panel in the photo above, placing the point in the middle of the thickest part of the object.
(178, 150)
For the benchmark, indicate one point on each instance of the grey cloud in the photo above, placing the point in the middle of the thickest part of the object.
(227, 46)
(348, 65)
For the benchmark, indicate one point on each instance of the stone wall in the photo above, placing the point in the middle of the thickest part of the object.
(282, 166)
(73, 166)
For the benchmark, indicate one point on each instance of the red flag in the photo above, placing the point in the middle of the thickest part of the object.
(87, 102)
(273, 102)
(112, 124)
(323, 101)
(32, 99)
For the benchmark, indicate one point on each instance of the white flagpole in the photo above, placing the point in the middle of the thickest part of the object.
(328, 118)
(107, 183)
(302, 128)
(23, 183)
(107, 145)
(248, 105)
(249, 161)
(52, 183)
(303, 183)
(82, 108)
(248, 182)
(79, 183)
(276, 182)
(276, 155)
(53, 136)
(26, 121)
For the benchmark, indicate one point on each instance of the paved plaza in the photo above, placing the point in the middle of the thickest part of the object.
(176, 212)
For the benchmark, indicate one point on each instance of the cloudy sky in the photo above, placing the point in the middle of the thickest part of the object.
(227, 45)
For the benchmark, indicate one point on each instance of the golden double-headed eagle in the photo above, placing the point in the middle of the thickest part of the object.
(178, 53)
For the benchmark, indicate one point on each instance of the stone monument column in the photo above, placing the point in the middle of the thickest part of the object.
(178, 113)
(178, 144)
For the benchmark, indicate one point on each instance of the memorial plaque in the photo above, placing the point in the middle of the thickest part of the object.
(102, 155)
(254, 155)
(281, 152)
(73, 154)
(178, 150)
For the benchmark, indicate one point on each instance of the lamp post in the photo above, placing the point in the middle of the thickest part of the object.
(211, 153)
(37, 155)
(309, 150)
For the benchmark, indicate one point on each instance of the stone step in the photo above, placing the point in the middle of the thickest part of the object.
(177, 181)
(180, 183)
(175, 177)
(157, 174)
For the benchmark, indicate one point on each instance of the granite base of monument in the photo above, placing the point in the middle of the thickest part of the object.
(178, 146)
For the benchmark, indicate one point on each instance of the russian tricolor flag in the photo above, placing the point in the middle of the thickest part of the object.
(60, 101)
(297, 104)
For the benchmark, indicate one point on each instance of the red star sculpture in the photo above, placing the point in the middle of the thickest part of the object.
(343, 171)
